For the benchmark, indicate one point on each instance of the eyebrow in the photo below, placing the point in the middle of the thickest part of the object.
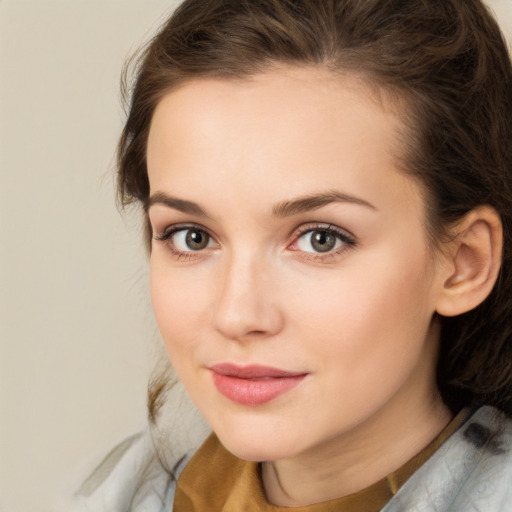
(283, 209)
(316, 201)
(182, 205)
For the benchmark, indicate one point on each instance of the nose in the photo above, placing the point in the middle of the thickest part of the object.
(247, 305)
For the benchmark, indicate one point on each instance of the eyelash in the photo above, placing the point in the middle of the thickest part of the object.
(348, 241)
(166, 235)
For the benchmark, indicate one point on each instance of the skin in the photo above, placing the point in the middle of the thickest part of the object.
(358, 320)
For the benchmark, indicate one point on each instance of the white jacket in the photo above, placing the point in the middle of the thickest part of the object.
(470, 472)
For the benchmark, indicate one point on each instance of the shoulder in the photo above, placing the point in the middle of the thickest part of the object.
(140, 473)
(471, 471)
(130, 478)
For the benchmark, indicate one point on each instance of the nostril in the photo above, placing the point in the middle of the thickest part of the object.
(245, 307)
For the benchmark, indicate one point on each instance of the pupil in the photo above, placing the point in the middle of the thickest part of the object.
(196, 240)
(323, 241)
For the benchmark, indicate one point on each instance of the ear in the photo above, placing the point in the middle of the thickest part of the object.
(473, 262)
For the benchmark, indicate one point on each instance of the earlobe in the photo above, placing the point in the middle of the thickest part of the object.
(474, 256)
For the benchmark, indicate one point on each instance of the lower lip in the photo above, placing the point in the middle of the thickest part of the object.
(254, 391)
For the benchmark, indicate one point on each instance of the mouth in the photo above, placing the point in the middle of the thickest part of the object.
(253, 385)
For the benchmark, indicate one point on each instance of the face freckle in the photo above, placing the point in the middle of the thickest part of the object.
(355, 323)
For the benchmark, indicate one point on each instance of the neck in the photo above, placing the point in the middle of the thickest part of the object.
(356, 460)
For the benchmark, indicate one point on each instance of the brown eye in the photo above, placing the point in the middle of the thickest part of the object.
(190, 239)
(319, 241)
(196, 240)
(322, 241)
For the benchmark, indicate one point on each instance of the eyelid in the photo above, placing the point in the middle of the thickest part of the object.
(169, 230)
(165, 237)
(348, 239)
(323, 226)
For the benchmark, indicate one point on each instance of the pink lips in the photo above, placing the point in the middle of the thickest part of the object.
(253, 385)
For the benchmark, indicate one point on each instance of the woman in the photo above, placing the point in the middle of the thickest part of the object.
(327, 188)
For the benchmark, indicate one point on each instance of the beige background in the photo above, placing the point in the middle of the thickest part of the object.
(75, 322)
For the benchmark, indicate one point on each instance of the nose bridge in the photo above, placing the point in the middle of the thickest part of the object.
(246, 305)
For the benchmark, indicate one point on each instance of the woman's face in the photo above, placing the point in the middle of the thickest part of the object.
(291, 277)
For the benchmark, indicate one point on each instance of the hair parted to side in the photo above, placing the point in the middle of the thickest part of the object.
(446, 59)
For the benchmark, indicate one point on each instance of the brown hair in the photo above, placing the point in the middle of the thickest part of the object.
(446, 58)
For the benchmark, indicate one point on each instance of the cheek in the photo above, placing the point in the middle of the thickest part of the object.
(366, 332)
(176, 302)
(370, 309)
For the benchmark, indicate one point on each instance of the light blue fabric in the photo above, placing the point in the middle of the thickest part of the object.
(471, 472)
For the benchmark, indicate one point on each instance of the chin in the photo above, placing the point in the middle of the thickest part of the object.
(260, 446)
(254, 453)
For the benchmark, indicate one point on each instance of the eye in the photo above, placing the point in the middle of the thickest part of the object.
(190, 240)
(319, 241)
(185, 240)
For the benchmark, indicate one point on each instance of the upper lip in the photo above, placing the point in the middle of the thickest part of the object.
(252, 371)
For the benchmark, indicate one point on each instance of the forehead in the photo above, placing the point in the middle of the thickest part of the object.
(293, 130)
(288, 86)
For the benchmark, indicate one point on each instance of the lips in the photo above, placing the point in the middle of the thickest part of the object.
(253, 385)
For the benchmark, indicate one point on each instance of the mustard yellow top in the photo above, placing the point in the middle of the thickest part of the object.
(216, 480)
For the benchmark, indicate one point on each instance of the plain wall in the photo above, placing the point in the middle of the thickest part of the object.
(75, 321)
